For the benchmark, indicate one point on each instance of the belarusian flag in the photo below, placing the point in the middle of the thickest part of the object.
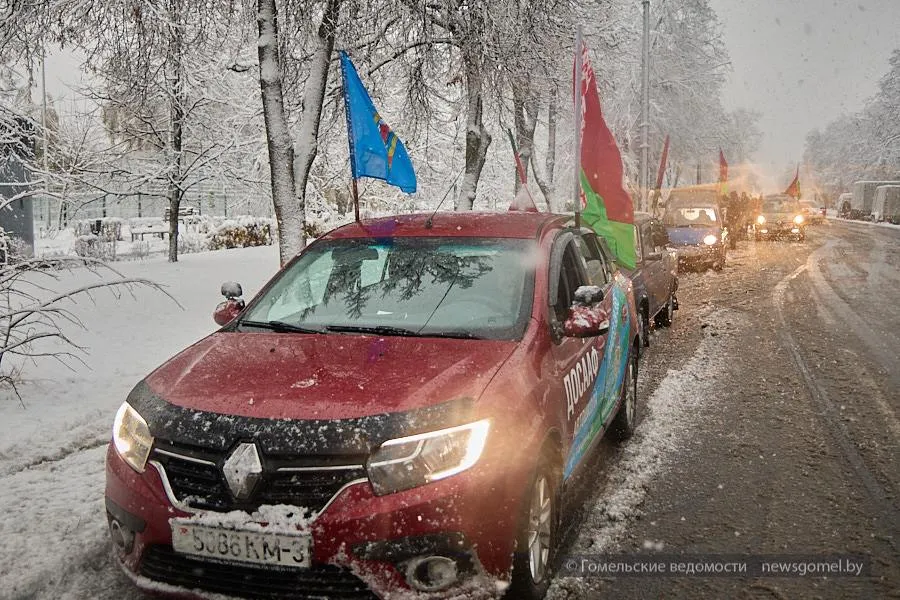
(608, 209)
(794, 188)
(723, 173)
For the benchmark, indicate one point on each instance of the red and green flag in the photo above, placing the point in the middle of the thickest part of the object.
(794, 188)
(607, 206)
(723, 173)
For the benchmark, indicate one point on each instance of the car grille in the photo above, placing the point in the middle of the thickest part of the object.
(162, 564)
(196, 480)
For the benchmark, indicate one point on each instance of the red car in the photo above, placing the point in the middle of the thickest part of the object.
(404, 406)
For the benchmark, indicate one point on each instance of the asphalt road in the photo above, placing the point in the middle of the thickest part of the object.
(795, 449)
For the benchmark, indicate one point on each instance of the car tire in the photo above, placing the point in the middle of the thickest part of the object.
(645, 326)
(719, 265)
(624, 424)
(665, 316)
(536, 540)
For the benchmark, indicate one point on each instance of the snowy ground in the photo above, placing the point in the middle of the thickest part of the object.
(52, 492)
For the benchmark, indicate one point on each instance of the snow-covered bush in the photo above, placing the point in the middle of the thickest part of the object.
(242, 232)
(110, 228)
(92, 246)
(190, 241)
(140, 248)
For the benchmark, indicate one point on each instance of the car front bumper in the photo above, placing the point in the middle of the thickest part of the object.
(700, 254)
(779, 229)
(360, 543)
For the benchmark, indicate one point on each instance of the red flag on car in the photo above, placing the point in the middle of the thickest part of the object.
(608, 208)
(794, 188)
(723, 173)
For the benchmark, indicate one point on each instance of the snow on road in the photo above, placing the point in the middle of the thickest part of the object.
(51, 450)
(670, 420)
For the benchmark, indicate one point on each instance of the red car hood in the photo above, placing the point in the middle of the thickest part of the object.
(298, 376)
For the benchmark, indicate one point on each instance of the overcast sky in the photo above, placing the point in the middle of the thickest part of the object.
(802, 63)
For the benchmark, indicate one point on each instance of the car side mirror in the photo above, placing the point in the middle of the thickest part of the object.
(228, 310)
(586, 321)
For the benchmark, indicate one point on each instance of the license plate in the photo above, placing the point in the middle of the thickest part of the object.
(241, 546)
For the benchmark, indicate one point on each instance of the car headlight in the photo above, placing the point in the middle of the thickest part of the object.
(760, 219)
(409, 462)
(131, 436)
(798, 219)
(710, 240)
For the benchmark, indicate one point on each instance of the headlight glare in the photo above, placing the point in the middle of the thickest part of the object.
(409, 462)
(710, 240)
(760, 219)
(131, 437)
(798, 219)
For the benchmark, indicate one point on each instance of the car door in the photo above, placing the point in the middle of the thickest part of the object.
(598, 409)
(657, 277)
(576, 361)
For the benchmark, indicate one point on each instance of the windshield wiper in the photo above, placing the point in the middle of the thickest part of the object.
(461, 335)
(376, 329)
(399, 331)
(281, 327)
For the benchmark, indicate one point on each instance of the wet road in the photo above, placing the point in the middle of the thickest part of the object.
(792, 443)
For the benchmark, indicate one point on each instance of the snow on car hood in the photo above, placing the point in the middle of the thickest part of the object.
(298, 376)
(690, 236)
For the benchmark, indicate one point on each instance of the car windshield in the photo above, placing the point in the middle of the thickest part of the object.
(780, 205)
(454, 287)
(688, 216)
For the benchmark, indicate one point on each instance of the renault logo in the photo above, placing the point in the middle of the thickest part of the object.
(243, 470)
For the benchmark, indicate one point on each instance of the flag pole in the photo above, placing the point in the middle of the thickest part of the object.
(353, 187)
(578, 125)
(355, 200)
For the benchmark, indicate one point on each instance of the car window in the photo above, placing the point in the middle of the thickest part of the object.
(658, 236)
(685, 216)
(425, 285)
(597, 269)
(571, 277)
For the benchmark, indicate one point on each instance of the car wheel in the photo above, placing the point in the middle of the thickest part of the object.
(626, 418)
(537, 537)
(645, 326)
(665, 316)
(719, 264)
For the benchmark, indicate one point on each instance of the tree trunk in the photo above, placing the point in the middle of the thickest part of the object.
(525, 118)
(288, 215)
(552, 118)
(477, 138)
(311, 115)
(175, 162)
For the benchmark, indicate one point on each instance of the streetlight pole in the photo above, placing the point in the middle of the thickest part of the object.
(645, 110)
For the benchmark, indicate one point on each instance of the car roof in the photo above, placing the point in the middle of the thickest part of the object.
(522, 225)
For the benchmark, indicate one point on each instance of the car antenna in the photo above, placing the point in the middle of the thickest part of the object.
(429, 220)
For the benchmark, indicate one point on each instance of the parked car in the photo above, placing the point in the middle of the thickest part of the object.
(780, 217)
(697, 234)
(655, 276)
(813, 214)
(406, 404)
(886, 206)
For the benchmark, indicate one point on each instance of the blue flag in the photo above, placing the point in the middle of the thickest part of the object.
(375, 150)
